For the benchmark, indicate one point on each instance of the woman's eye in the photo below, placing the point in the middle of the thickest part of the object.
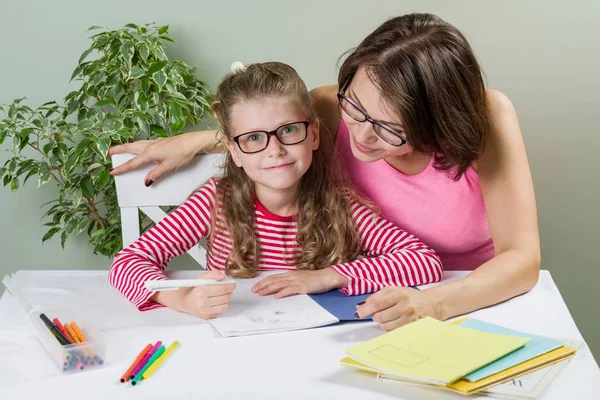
(253, 138)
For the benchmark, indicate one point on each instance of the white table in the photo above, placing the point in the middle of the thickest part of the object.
(292, 365)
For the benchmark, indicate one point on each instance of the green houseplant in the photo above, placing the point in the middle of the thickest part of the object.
(129, 91)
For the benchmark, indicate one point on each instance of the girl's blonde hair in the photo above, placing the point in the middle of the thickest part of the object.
(326, 230)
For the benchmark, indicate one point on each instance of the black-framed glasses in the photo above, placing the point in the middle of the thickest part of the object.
(355, 112)
(288, 134)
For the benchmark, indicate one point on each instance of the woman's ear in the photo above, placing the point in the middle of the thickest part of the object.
(233, 150)
(316, 129)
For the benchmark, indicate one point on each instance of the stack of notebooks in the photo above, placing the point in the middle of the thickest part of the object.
(467, 356)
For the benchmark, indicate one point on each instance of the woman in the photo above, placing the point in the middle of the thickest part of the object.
(442, 156)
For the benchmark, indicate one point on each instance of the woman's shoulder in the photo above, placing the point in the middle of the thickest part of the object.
(504, 127)
(499, 102)
(326, 104)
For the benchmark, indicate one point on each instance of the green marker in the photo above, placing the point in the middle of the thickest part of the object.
(157, 354)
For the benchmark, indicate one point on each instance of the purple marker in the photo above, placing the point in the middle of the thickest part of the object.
(145, 359)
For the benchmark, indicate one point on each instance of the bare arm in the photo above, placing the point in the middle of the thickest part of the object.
(510, 203)
(170, 154)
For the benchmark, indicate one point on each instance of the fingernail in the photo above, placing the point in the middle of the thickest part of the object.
(361, 303)
(356, 315)
(148, 182)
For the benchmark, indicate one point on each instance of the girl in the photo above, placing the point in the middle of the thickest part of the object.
(279, 206)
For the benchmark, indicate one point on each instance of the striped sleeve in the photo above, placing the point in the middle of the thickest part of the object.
(390, 256)
(147, 257)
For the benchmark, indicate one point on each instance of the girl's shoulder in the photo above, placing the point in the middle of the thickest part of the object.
(208, 189)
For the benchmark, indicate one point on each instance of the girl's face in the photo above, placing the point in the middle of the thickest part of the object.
(366, 145)
(278, 166)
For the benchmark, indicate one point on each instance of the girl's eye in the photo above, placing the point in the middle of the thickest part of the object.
(253, 138)
(289, 129)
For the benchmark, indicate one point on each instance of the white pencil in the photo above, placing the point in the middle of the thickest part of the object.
(174, 284)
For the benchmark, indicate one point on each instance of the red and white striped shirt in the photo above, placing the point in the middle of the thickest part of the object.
(391, 257)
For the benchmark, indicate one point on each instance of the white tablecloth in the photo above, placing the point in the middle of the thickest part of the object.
(292, 365)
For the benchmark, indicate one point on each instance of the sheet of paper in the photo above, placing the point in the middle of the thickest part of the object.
(250, 314)
(531, 386)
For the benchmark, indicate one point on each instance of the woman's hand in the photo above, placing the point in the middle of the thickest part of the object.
(300, 282)
(170, 154)
(205, 302)
(395, 306)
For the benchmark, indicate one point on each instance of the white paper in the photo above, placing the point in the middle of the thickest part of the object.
(531, 385)
(251, 314)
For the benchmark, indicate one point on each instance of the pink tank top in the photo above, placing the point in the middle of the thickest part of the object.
(447, 215)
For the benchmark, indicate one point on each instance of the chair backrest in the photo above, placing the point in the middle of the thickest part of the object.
(171, 190)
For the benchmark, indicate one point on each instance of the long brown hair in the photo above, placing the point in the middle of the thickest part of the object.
(427, 73)
(326, 230)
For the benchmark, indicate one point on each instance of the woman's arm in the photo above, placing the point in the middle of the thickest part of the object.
(170, 154)
(173, 153)
(510, 204)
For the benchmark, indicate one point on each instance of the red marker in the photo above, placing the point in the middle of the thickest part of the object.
(62, 329)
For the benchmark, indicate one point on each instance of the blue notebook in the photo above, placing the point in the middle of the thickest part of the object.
(340, 305)
(537, 346)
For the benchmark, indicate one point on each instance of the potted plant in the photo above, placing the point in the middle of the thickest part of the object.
(129, 90)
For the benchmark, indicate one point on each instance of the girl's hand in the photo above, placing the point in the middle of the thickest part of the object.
(300, 282)
(205, 302)
(395, 306)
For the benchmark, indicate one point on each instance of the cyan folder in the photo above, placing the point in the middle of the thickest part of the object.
(537, 346)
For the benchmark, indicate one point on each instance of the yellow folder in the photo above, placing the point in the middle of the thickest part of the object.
(465, 387)
(431, 351)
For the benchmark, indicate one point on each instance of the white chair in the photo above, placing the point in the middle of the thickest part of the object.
(171, 190)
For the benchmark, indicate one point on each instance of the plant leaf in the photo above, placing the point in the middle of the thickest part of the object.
(49, 234)
(14, 184)
(84, 55)
(103, 179)
(160, 78)
(163, 29)
(71, 226)
(144, 52)
(127, 52)
(156, 66)
(81, 226)
(175, 111)
(43, 173)
(136, 72)
(87, 188)
(103, 146)
(85, 124)
(94, 166)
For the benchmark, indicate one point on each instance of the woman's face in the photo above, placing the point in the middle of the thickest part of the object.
(366, 145)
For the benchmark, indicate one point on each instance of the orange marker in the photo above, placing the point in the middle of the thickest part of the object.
(72, 333)
(78, 332)
(139, 358)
